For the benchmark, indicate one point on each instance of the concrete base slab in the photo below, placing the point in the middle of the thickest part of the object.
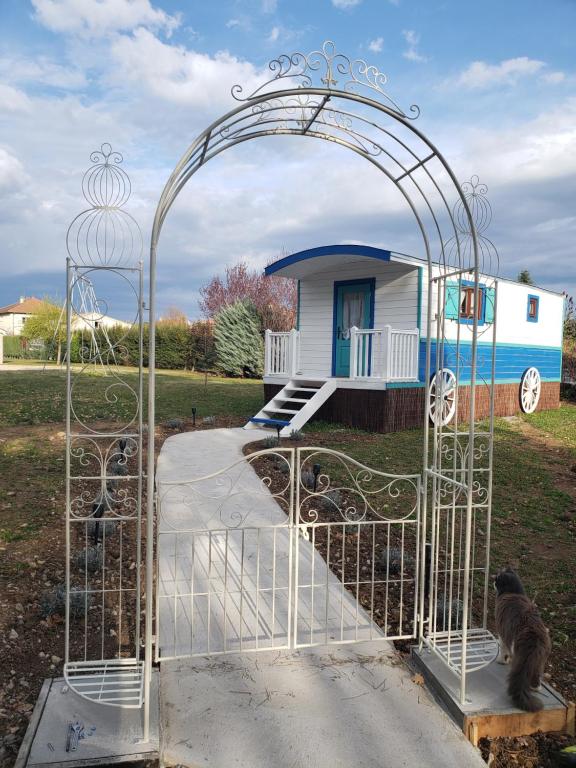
(330, 707)
(487, 710)
(116, 738)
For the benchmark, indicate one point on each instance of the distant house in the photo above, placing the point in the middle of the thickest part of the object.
(94, 320)
(13, 317)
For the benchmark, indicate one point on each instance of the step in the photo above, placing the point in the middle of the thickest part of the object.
(271, 422)
(296, 388)
(293, 399)
(279, 410)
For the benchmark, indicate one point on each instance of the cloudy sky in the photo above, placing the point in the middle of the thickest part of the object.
(495, 82)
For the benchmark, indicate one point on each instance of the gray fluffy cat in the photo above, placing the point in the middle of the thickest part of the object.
(524, 640)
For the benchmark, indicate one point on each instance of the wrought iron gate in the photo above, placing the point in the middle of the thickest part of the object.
(286, 548)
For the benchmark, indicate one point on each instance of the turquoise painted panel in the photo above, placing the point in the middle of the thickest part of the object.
(511, 361)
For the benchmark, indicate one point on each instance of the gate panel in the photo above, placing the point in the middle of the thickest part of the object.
(356, 551)
(225, 559)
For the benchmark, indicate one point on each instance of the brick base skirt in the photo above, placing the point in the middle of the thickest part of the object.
(391, 410)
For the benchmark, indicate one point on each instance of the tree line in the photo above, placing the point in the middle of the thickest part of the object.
(237, 309)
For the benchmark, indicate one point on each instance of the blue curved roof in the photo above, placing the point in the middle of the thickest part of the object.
(328, 250)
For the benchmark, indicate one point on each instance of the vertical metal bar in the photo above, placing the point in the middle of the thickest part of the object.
(140, 455)
(357, 581)
(329, 528)
(313, 558)
(273, 626)
(257, 586)
(150, 483)
(387, 579)
(242, 587)
(470, 469)
(175, 595)
(68, 446)
(372, 581)
(488, 522)
(342, 587)
(401, 612)
(225, 589)
(192, 567)
(209, 590)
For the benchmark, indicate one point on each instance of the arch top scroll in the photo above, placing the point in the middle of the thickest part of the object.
(329, 69)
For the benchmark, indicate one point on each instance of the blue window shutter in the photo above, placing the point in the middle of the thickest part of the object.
(452, 301)
(489, 300)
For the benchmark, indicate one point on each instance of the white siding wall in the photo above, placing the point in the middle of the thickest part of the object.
(396, 304)
(512, 327)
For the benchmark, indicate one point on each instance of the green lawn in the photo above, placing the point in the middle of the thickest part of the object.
(39, 397)
(561, 423)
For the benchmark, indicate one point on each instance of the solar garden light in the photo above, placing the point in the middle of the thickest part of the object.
(193, 416)
(278, 428)
(316, 471)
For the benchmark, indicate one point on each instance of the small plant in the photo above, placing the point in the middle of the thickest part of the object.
(443, 606)
(270, 442)
(296, 435)
(281, 464)
(53, 603)
(394, 560)
(209, 420)
(307, 478)
(332, 500)
(175, 423)
(103, 524)
(89, 559)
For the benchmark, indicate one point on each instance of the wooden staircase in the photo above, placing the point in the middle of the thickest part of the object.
(293, 406)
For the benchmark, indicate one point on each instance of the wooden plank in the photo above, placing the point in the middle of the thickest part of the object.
(478, 726)
(570, 719)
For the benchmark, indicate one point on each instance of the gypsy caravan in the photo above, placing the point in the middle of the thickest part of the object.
(358, 353)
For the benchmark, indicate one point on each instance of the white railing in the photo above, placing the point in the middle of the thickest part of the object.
(387, 354)
(282, 353)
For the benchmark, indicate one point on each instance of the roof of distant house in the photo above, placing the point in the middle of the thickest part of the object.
(26, 306)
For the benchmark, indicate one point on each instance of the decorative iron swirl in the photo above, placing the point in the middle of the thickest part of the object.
(105, 234)
(217, 497)
(459, 249)
(328, 69)
(358, 491)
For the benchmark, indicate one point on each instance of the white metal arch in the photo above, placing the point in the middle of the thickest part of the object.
(378, 130)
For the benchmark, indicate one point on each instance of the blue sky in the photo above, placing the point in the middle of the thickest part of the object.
(496, 84)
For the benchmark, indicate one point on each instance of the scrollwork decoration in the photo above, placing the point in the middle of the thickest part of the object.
(329, 70)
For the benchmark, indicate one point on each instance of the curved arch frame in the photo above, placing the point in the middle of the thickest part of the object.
(369, 132)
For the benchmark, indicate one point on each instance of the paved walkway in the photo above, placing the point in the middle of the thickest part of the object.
(225, 589)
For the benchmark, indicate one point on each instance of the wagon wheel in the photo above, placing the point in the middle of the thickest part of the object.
(530, 386)
(442, 398)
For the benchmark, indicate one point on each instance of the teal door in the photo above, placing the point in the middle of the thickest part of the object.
(353, 306)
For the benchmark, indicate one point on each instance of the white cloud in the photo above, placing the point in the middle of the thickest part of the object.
(94, 18)
(269, 6)
(274, 35)
(42, 71)
(12, 174)
(177, 74)
(554, 77)
(480, 75)
(13, 100)
(376, 45)
(413, 40)
(345, 4)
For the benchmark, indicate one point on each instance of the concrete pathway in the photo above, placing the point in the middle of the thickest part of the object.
(337, 705)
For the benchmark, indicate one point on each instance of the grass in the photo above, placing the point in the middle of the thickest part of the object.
(561, 423)
(39, 397)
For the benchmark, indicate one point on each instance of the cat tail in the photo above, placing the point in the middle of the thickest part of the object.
(524, 670)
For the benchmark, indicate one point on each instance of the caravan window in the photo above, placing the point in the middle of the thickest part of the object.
(467, 303)
(533, 309)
